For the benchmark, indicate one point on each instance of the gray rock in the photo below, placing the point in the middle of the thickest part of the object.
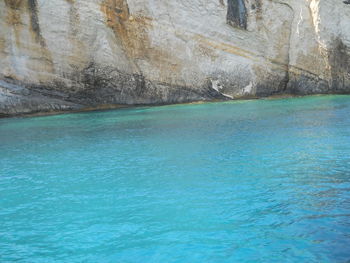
(70, 55)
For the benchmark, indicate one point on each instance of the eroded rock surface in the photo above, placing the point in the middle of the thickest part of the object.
(75, 54)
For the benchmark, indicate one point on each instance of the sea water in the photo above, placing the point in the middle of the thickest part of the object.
(242, 181)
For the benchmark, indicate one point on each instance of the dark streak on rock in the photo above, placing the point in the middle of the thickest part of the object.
(34, 22)
(339, 60)
(103, 85)
(258, 9)
(236, 13)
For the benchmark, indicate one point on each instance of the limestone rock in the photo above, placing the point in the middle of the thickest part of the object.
(73, 54)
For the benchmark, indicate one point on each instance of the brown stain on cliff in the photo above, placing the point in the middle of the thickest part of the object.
(132, 32)
(14, 11)
(16, 19)
(128, 30)
(15, 8)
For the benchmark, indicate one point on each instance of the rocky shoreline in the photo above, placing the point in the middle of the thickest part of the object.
(65, 55)
(47, 109)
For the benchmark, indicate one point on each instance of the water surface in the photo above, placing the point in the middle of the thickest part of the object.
(246, 181)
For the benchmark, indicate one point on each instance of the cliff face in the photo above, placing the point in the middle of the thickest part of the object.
(71, 54)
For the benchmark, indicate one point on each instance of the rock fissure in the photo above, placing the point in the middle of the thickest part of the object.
(286, 79)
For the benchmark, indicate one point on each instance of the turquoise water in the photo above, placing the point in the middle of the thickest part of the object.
(246, 181)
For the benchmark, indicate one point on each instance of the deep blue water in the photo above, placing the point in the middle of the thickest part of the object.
(245, 181)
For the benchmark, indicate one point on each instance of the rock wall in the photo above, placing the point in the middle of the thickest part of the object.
(73, 54)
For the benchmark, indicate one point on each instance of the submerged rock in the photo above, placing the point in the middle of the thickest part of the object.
(74, 54)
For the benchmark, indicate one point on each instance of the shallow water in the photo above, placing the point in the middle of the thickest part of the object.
(245, 181)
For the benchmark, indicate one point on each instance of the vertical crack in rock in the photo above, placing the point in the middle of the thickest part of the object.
(236, 13)
(287, 76)
(278, 81)
(34, 22)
